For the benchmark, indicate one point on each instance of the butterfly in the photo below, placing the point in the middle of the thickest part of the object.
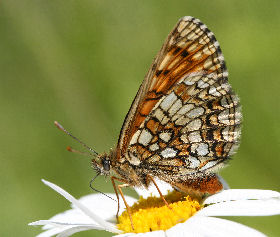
(184, 122)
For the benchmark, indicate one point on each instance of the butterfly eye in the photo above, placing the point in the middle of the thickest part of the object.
(106, 164)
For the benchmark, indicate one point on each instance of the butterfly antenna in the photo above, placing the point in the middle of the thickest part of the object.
(80, 152)
(90, 184)
(59, 126)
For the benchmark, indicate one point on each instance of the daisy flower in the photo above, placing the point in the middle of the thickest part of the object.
(151, 218)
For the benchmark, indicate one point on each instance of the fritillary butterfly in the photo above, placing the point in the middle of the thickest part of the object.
(184, 122)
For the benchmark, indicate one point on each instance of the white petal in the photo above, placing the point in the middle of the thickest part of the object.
(72, 217)
(152, 190)
(243, 208)
(106, 225)
(104, 206)
(210, 226)
(159, 233)
(241, 194)
(125, 235)
(49, 222)
(63, 228)
(74, 230)
(52, 232)
(183, 230)
(62, 224)
(97, 203)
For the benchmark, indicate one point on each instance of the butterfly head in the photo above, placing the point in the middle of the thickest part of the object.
(102, 164)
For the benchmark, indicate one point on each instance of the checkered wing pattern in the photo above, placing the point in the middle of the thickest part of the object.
(185, 118)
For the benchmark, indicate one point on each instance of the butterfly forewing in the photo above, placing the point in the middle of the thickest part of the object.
(185, 119)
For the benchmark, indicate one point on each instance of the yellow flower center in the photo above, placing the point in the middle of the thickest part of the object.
(152, 214)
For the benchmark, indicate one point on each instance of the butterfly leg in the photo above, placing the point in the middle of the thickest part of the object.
(119, 188)
(149, 177)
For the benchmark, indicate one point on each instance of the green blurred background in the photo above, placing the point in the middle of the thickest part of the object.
(81, 62)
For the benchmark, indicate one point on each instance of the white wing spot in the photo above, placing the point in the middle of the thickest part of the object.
(225, 74)
(213, 91)
(159, 114)
(208, 62)
(185, 32)
(154, 147)
(202, 149)
(135, 137)
(145, 137)
(187, 18)
(192, 36)
(165, 136)
(164, 62)
(188, 82)
(171, 41)
(133, 159)
(168, 152)
(168, 101)
(201, 84)
(195, 137)
(165, 120)
(172, 64)
(204, 40)
(175, 107)
(185, 109)
(182, 121)
(194, 125)
(216, 44)
(224, 117)
(184, 138)
(181, 44)
(225, 133)
(196, 112)
(181, 26)
(194, 162)
(207, 51)
(197, 56)
(193, 47)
